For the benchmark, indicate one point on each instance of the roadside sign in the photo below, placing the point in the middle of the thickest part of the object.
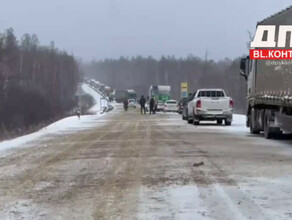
(184, 86)
(184, 90)
(184, 94)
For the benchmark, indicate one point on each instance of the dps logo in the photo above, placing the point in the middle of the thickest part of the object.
(271, 37)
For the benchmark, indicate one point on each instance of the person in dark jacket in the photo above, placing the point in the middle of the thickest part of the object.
(78, 114)
(126, 104)
(155, 105)
(151, 105)
(142, 104)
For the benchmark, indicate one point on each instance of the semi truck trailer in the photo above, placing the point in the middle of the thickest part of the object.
(269, 87)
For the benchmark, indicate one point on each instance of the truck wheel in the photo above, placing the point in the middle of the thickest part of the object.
(252, 123)
(227, 123)
(219, 121)
(196, 121)
(190, 121)
(267, 128)
(270, 131)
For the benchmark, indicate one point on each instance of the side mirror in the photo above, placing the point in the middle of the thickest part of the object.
(244, 67)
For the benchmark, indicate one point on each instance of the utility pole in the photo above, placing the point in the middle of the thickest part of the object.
(79, 93)
(206, 55)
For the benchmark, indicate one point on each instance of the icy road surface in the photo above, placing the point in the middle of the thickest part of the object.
(131, 166)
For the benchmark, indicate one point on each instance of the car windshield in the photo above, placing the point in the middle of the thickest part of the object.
(171, 102)
(211, 93)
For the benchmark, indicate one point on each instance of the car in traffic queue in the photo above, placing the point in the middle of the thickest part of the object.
(185, 106)
(132, 103)
(160, 106)
(210, 105)
(170, 106)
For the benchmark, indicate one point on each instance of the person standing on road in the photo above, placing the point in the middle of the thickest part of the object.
(78, 114)
(125, 104)
(151, 105)
(155, 105)
(142, 104)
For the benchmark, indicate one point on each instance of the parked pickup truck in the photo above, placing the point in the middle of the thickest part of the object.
(210, 105)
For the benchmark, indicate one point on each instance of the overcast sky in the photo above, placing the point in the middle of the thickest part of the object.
(113, 28)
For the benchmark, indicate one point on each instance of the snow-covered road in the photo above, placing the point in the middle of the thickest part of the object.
(100, 101)
(130, 166)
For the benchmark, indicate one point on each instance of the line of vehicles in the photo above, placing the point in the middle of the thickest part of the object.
(205, 104)
(104, 89)
(121, 95)
(161, 94)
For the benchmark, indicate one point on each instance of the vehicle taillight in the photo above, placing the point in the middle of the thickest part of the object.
(231, 104)
(199, 104)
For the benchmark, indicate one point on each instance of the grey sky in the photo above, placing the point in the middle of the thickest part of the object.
(111, 28)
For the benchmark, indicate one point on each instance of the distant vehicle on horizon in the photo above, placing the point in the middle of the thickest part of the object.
(94, 83)
(121, 95)
(160, 106)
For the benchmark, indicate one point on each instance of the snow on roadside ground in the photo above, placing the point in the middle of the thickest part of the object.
(238, 124)
(69, 125)
(171, 202)
(272, 195)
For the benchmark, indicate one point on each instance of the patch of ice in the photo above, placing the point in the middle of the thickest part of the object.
(171, 202)
(238, 125)
(273, 195)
